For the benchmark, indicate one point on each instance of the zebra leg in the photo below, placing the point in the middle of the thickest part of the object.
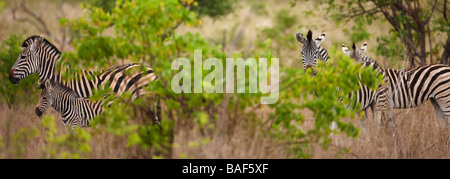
(375, 120)
(439, 112)
(363, 124)
(381, 106)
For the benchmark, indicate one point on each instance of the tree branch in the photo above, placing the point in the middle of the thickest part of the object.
(168, 34)
(431, 13)
(35, 17)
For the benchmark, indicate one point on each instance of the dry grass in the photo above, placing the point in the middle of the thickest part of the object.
(417, 134)
(243, 140)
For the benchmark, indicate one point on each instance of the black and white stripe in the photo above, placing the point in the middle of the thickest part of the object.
(75, 111)
(40, 56)
(311, 49)
(412, 87)
(415, 86)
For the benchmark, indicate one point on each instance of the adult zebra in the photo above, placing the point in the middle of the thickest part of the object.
(376, 100)
(75, 111)
(414, 86)
(40, 56)
(312, 50)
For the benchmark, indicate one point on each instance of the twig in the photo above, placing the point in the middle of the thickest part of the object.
(428, 148)
(340, 148)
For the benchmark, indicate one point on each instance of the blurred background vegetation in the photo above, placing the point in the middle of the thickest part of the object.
(101, 34)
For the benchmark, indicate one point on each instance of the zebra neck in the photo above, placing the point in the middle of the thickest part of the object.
(323, 54)
(63, 102)
(47, 67)
(61, 106)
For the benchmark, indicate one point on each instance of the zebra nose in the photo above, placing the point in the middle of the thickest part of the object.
(309, 66)
(38, 112)
(312, 68)
(13, 79)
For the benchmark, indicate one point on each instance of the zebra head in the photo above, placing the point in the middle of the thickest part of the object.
(357, 54)
(310, 49)
(45, 98)
(39, 56)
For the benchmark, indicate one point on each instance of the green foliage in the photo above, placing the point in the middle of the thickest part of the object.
(358, 32)
(73, 145)
(213, 8)
(106, 5)
(2, 4)
(142, 32)
(210, 8)
(281, 32)
(15, 143)
(12, 94)
(388, 47)
(319, 94)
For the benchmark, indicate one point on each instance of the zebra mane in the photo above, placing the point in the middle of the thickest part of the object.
(65, 88)
(62, 87)
(373, 63)
(30, 40)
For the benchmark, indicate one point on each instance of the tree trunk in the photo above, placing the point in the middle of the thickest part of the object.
(421, 41)
(446, 53)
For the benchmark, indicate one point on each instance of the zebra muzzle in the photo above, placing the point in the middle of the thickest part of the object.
(38, 112)
(13, 79)
(312, 68)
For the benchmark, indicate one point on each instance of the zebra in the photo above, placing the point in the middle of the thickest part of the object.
(75, 111)
(40, 56)
(358, 54)
(312, 50)
(377, 100)
(412, 87)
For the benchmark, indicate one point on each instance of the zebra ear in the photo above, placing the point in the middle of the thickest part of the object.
(364, 47)
(354, 46)
(37, 43)
(48, 86)
(346, 50)
(300, 38)
(320, 39)
(41, 86)
(309, 36)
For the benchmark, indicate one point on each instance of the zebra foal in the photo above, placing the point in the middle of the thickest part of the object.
(75, 111)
